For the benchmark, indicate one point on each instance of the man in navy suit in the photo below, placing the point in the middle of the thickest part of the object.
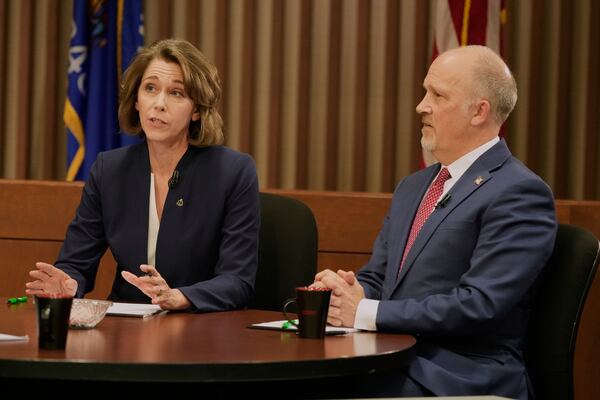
(462, 245)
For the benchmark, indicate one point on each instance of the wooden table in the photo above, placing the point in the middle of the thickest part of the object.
(182, 347)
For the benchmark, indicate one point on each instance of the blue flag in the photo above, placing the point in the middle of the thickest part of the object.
(106, 35)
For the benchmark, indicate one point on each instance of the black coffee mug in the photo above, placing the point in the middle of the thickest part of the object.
(53, 321)
(313, 306)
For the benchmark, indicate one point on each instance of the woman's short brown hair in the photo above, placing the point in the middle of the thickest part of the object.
(201, 82)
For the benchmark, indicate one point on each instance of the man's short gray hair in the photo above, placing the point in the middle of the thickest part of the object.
(493, 81)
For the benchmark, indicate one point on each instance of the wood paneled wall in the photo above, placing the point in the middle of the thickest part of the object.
(322, 92)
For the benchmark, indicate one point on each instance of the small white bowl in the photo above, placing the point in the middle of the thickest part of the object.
(87, 313)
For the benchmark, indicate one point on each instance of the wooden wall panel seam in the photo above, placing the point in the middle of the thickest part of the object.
(592, 123)
(275, 109)
(333, 92)
(25, 87)
(304, 78)
(360, 108)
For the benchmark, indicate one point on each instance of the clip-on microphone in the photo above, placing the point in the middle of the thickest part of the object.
(174, 180)
(443, 201)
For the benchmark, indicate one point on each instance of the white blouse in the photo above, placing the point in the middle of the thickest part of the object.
(153, 224)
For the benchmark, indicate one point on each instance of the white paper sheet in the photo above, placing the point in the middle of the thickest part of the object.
(134, 310)
(11, 338)
(282, 326)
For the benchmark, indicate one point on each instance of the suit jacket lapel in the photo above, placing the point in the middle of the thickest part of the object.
(173, 216)
(139, 180)
(411, 199)
(478, 174)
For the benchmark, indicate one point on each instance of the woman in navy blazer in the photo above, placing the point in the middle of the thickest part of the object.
(179, 212)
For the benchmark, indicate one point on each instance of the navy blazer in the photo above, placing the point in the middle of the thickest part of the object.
(465, 286)
(207, 244)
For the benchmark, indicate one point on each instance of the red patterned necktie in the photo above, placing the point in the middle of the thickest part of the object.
(425, 209)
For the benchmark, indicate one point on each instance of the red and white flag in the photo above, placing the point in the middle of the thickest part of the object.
(464, 22)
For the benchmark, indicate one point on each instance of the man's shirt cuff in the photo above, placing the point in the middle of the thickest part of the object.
(366, 315)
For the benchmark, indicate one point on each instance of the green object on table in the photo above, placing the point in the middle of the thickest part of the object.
(15, 300)
(288, 324)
